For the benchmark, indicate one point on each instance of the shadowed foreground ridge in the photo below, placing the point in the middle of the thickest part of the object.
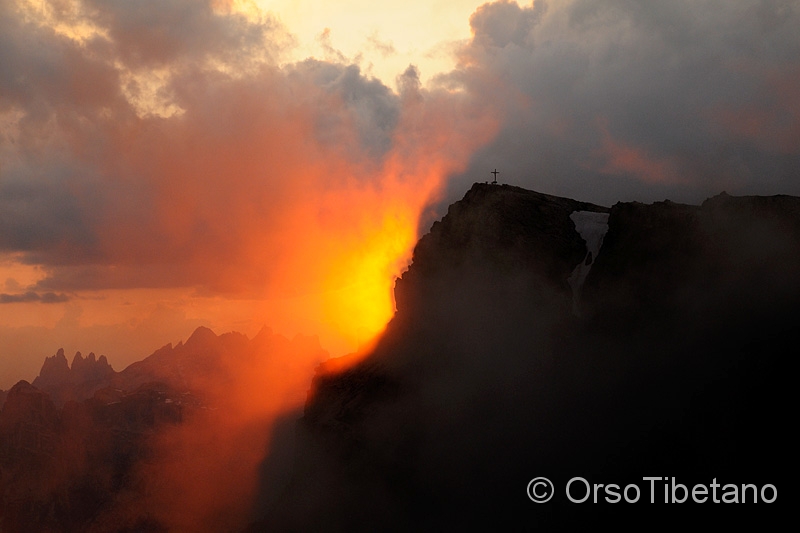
(674, 363)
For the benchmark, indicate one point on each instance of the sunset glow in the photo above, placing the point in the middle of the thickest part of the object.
(258, 172)
(237, 181)
(360, 302)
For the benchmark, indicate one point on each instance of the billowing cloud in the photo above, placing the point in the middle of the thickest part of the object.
(613, 100)
(166, 146)
(154, 32)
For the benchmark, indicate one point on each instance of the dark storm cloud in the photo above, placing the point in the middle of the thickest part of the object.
(622, 99)
(31, 296)
(39, 213)
(369, 106)
(42, 71)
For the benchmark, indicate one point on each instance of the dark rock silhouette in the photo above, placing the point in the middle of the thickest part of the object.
(486, 379)
(61, 468)
(76, 465)
(192, 366)
(76, 382)
(29, 423)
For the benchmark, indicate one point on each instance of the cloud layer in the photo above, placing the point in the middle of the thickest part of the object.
(165, 147)
(623, 99)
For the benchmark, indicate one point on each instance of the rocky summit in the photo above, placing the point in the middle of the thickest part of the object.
(671, 362)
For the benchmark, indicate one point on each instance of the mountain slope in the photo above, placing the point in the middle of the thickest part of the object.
(91, 449)
(487, 377)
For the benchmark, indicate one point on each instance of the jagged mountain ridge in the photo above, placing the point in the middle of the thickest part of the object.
(74, 443)
(486, 377)
(188, 367)
(79, 381)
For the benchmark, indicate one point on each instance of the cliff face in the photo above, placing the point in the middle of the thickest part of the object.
(665, 257)
(489, 375)
(493, 233)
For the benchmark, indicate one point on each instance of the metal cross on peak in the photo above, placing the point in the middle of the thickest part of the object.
(495, 172)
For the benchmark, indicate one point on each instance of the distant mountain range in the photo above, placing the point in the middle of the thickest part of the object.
(534, 336)
(73, 443)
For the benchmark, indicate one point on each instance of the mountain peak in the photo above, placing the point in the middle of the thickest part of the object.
(23, 387)
(496, 230)
(26, 404)
(65, 382)
(202, 335)
(55, 365)
(77, 361)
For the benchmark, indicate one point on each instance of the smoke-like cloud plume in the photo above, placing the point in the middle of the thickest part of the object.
(166, 147)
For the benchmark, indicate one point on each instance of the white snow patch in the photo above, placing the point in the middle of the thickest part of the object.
(592, 227)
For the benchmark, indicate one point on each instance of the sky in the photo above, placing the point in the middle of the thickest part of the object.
(175, 163)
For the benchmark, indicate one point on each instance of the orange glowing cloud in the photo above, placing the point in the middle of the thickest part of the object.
(180, 159)
(302, 182)
(205, 472)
